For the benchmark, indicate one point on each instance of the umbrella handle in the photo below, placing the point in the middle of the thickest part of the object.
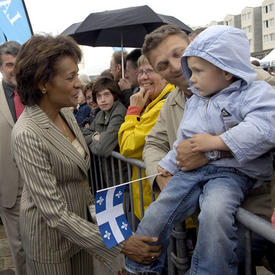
(122, 59)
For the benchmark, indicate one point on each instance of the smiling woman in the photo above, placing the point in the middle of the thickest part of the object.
(141, 116)
(53, 160)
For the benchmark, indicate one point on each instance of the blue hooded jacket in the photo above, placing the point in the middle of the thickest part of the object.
(243, 114)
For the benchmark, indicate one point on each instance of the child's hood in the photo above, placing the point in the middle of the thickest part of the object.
(225, 47)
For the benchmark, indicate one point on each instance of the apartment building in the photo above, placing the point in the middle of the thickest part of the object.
(251, 22)
(268, 24)
(233, 20)
(258, 24)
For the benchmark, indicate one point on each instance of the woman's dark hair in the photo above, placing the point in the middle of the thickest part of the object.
(103, 83)
(36, 63)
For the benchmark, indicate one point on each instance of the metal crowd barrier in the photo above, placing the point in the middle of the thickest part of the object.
(106, 172)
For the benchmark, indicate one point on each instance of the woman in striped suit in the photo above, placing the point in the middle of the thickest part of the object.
(53, 161)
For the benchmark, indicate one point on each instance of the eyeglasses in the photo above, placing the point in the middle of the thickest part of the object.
(147, 72)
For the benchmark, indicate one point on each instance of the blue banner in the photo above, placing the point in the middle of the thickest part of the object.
(14, 21)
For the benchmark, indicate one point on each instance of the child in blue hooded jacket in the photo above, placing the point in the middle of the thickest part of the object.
(228, 111)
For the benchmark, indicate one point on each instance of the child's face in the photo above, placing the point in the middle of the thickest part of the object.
(206, 77)
(105, 100)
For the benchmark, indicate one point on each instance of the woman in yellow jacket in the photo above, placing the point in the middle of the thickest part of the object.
(141, 116)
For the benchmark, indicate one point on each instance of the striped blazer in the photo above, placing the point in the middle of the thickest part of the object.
(53, 215)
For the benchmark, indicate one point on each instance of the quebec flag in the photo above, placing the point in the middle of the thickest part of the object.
(110, 216)
(14, 21)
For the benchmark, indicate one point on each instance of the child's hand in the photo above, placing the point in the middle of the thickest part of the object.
(164, 172)
(273, 219)
(205, 143)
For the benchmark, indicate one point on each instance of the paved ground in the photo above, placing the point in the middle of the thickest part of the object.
(5, 254)
(6, 262)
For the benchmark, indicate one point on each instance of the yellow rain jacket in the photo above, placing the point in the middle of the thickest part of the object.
(131, 140)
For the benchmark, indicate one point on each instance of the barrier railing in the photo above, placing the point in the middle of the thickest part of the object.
(117, 169)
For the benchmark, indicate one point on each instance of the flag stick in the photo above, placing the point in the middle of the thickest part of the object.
(128, 182)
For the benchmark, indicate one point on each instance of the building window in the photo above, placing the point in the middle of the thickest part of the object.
(271, 22)
(250, 42)
(265, 9)
(248, 15)
(249, 29)
(266, 38)
(270, 7)
(272, 36)
(266, 24)
(244, 17)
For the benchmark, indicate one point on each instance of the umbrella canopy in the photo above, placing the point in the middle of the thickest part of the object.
(71, 29)
(121, 28)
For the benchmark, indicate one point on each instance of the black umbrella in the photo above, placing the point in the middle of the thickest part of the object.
(120, 28)
(71, 29)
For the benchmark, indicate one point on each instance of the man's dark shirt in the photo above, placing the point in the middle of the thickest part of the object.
(8, 89)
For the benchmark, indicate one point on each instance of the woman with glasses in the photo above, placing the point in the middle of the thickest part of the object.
(141, 116)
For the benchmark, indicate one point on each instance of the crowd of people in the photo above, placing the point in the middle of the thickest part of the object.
(193, 108)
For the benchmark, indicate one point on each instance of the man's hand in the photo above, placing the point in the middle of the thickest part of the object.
(187, 159)
(206, 143)
(124, 84)
(137, 249)
(162, 181)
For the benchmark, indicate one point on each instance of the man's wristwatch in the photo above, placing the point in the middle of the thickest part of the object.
(213, 155)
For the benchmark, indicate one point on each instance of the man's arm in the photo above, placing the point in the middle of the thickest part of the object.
(155, 148)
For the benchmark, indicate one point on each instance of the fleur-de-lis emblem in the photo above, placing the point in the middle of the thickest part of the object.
(100, 200)
(107, 235)
(119, 194)
(124, 226)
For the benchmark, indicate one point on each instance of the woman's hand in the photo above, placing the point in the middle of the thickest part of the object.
(139, 99)
(137, 249)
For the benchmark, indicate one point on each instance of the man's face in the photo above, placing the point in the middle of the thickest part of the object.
(115, 70)
(166, 59)
(6, 69)
(131, 73)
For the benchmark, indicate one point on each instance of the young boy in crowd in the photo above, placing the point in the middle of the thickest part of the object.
(228, 111)
(102, 137)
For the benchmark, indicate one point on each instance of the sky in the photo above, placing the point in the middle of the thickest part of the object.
(54, 16)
